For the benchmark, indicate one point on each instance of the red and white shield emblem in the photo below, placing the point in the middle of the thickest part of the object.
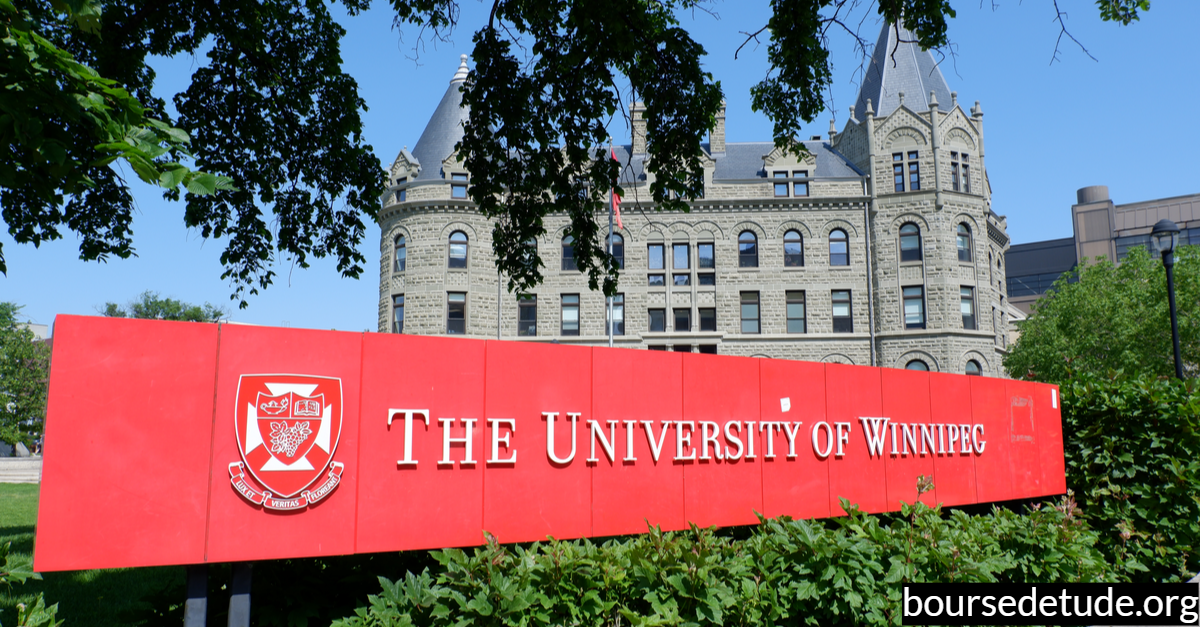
(287, 429)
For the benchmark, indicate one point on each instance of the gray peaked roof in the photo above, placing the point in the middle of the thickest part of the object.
(444, 130)
(904, 68)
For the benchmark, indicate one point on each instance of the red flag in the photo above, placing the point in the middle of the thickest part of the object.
(616, 200)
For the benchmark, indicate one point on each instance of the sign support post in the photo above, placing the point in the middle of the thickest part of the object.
(239, 595)
(195, 610)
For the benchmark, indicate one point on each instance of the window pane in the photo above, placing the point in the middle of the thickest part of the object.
(708, 319)
(967, 298)
(747, 250)
(914, 176)
(750, 312)
(618, 250)
(683, 320)
(398, 313)
(910, 243)
(658, 320)
(843, 320)
(681, 279)
(618, 314)
(570, 314)
(781, 189)
(655, 261)
(680, 256)
(704, 256)
(839, 254)
(914, 307)
(401, 255)
(706, 278)
(456, 313)
(458, 249)
(568, 254)
(793, 249)
(973, 368)
(527, 315)
(458, 191)
(795, 312)
(656, 280)
(917, 364)
(800, 188)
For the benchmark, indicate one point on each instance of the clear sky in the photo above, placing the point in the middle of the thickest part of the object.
(1049, 129)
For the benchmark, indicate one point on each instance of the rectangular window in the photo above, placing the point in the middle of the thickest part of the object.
(659, 347)
(795, 312)
(967, 298)
(458, 190)
(658, 320)
(914, 307)
(570, 314)
(843, 314)
(707, 349)
(456, 313)
(398, 313)
(706, 278)
(654, 257)
(781, 185)
(708, 319)
(750, 322)
(683, 320)
(682, 348)
(914, 175)
(898, 175)
(800, 188)
(656, 280)
(954, 177)
(704, 256)
(966, 171)
(527, 315)
(618, 315)
(680, 257)
(681, 279)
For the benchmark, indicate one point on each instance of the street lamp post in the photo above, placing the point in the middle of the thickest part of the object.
(1166, 236)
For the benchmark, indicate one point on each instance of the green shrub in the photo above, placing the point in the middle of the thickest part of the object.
(846, 570)
(1133, 458)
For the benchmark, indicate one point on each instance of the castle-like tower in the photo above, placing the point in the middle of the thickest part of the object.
(879, 246)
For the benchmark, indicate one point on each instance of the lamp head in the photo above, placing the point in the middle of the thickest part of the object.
(1165, 235)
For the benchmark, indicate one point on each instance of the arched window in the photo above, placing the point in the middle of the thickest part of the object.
(747, 250)
(568, 253)
(793, 249)
(400, 254)
(458, 250)
(618, 249)
(910, 242)
(964, 242)
(973, 368)
(917, 364)
(839, 248)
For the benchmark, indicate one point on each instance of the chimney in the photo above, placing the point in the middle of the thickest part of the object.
(716, 138)
(833, 129)
(636, 115)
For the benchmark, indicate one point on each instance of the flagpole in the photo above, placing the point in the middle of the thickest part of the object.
(611, 322)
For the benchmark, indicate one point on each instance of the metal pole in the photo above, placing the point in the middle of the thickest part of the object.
(498, 300)
(195, 610)
(239, 595)
(610, 242)
(1169, 262)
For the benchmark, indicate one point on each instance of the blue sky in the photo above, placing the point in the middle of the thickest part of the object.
(1121, 121)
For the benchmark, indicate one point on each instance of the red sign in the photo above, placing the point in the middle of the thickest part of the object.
(167, 444)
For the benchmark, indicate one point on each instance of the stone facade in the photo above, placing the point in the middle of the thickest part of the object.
(824, 193)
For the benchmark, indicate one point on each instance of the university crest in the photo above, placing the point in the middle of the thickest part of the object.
(287, 432)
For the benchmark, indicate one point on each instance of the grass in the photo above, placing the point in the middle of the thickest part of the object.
(141, 596)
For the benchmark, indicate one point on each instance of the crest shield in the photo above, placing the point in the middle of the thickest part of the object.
(287, 429)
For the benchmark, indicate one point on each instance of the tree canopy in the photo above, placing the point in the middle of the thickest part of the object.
(24, 377)
(272, 119)
(1104, 317)
(150, 306)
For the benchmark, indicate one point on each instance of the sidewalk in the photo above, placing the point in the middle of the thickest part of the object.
(20, 469)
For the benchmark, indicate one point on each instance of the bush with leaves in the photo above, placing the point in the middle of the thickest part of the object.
(845, 570)
(1133, 457)
(13, 570)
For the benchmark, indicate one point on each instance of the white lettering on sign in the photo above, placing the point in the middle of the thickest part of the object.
(714, 442)
(408, 436)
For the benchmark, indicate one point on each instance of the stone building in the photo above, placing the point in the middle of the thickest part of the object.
(879, 246)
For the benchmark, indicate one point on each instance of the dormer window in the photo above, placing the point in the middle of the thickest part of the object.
(402, 193)
(914, 171)
(458, 187)
(783, 179)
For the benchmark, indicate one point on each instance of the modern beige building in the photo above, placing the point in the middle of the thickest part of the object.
(879, 246)
(1101, 229)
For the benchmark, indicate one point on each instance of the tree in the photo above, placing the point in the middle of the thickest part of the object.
(24, 377)
(1104, 317)
(273, 111)
(149, 306)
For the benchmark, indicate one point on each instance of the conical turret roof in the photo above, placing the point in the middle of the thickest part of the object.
(445, 128)
(898, 64)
